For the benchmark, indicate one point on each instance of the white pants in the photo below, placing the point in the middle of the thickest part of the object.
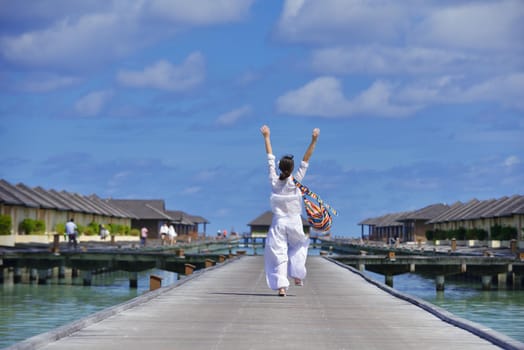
(285, 252)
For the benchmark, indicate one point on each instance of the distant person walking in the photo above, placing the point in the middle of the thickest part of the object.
(164, 232)
(71, 231)
(102, 231)
(143, 236)
(286, 243)
(172, 235)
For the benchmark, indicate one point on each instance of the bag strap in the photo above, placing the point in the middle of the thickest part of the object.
(306, 191)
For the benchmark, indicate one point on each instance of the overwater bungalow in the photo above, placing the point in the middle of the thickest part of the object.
(415, 223)
(148, 213)
(490, 216)
(185, 223)
(52, 207)
(487, 215)
(383, 228)
(152, 213)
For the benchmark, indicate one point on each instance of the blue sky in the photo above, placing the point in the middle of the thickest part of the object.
(418, 102)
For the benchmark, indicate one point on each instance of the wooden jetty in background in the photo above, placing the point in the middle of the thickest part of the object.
(506, 269)
(394, 259)
(182, 259)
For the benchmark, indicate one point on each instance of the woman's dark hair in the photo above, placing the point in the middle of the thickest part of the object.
(286, 166)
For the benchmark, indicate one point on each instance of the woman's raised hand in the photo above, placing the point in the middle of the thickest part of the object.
(265, 130)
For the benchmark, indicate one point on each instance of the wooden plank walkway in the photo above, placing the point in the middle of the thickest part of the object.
(230, 307)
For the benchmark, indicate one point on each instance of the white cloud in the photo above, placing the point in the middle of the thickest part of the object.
(340, 21)
(292, 8)
(90, 33)
(234, 116)
(478, 25)
(440, 52)
(511, 161)
(484, 25)
(68, 43)
(375, 59)
(443, 89)
(93, 103)
(324, 97)
(505, 90)
(378, 100)
(165, 76)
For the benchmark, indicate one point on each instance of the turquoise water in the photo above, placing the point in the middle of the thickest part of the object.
(28, 309)
(501, 309)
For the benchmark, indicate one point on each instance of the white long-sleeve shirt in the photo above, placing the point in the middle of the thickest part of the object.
(286, 198)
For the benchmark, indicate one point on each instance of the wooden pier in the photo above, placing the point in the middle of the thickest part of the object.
(507, 269)
(228, 306)
(40, 261)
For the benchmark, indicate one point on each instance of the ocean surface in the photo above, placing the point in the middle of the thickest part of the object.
(501, 308)
(28, 309)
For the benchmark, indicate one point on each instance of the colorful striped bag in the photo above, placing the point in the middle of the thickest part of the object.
(318, 212)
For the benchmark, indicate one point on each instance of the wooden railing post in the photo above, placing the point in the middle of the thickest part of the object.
(155, 282)
(188, 269)
(391, 256)
(56, 243)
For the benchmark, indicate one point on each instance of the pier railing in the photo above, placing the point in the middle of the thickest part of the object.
(507, 269)
(182, 259)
